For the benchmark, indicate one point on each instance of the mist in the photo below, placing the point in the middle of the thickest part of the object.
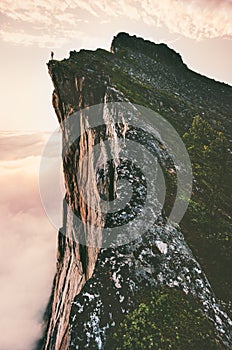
(27, 242)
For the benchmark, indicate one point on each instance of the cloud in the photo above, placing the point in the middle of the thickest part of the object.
(193, 19)
(61, 21)
(26, 144)
(27, 241)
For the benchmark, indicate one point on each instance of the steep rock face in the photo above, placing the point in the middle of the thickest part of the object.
(154, 76)
(75, 262)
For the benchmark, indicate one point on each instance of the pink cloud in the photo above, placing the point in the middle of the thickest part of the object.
(196, 19)
(28, 244)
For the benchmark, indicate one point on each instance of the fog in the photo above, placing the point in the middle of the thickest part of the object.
(27, 242)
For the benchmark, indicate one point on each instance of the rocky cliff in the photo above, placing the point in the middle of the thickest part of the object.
(97, 283)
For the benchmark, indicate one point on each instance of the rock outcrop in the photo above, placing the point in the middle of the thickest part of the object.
(93, 287)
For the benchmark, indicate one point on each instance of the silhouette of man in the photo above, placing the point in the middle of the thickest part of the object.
(52, 55)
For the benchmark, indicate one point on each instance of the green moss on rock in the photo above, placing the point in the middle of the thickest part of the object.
(165, 319)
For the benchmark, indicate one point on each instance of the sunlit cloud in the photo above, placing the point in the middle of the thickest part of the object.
(60, 21)
(27, 242)
(14, 145)
(194, 19)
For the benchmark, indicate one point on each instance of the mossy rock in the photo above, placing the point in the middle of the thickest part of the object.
(165, 319)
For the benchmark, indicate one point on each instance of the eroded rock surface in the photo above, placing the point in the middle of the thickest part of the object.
(94, 288)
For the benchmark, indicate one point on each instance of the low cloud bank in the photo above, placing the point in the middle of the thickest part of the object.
(27, 243)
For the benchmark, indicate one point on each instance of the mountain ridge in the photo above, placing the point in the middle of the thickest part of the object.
(158, 80)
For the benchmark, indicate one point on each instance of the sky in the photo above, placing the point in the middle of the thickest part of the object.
(200, 30)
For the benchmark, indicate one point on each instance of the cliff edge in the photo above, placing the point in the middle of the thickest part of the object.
(94, 287)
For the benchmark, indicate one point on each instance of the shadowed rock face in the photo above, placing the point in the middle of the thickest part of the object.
(87, 301)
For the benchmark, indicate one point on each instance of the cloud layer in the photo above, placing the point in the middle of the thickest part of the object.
(57, 22)
(27, 241)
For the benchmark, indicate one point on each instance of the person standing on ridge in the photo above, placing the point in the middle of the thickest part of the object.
(52, 55)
